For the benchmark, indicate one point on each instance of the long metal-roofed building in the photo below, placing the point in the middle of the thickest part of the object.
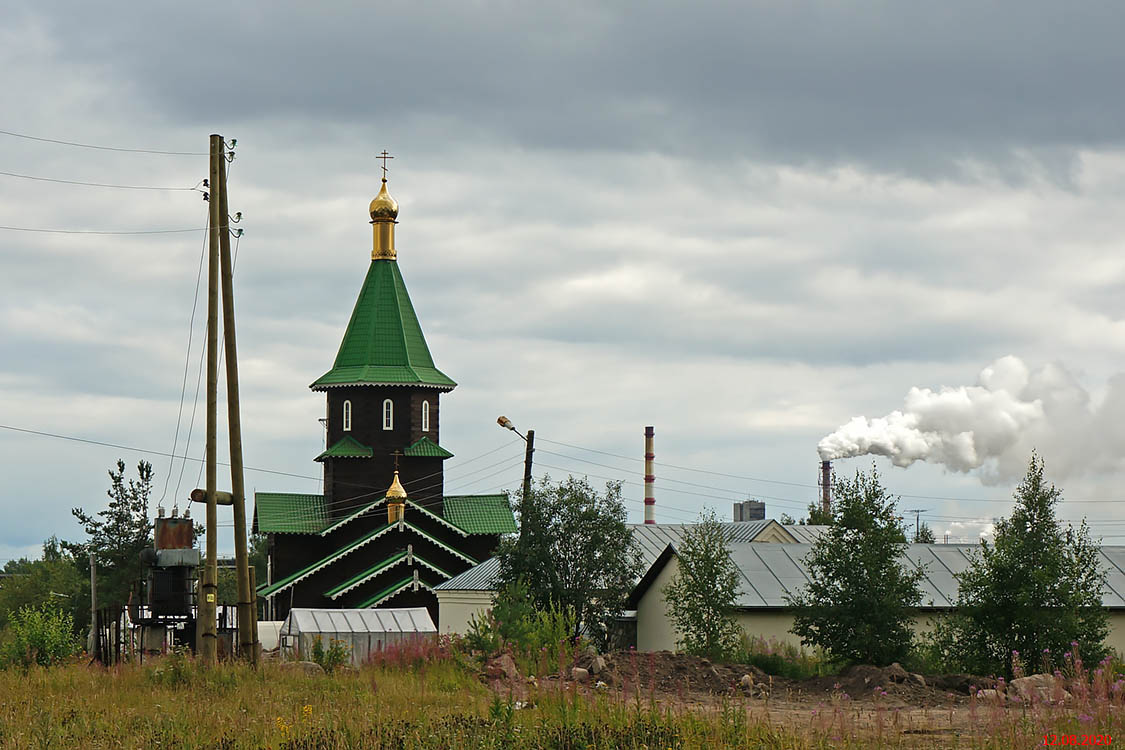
(770, 572)
(470, 593)
(383, 533)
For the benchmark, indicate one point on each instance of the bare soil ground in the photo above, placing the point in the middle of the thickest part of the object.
(865, 698)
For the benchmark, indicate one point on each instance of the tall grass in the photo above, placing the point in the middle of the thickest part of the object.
(429, 698)
(783, 658)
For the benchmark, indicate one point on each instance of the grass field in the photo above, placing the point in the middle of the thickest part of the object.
(172, 703)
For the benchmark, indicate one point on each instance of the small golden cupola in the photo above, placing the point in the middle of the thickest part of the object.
(396, 501)
(384, 212)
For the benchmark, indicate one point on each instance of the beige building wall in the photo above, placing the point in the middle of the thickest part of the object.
(456, 608)
(655, 631)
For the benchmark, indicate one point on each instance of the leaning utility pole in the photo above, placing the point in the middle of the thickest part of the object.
(247, 611)
(205, 624)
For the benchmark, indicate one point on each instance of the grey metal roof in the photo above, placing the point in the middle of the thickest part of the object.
(477, 578)
(406, 620)
(652, 538)
(770, 571)
(805, 534)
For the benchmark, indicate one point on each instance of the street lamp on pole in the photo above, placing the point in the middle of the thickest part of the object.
(529, 438)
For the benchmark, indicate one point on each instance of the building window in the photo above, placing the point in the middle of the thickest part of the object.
(347, 416)
(425, 416)
(388, 415)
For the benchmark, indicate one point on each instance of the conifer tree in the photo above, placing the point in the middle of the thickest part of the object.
(1034, 591)
(117, 534)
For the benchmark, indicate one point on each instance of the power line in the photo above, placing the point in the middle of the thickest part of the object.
(94, 184)
(134, 449)
(660, 464)
(187, 362)
(95, 231)
(103, 148)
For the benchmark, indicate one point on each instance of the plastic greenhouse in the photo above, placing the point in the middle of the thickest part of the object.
(365, 631)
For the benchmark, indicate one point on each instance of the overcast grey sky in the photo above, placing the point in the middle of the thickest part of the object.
(744, 224)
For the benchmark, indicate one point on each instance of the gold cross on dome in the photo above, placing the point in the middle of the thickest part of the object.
(384, 156)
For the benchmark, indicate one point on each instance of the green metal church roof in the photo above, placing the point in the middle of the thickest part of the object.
(284, 583)
(347, 447)
(288, 513)
(480, 514)
(426, 448)
(383, 344)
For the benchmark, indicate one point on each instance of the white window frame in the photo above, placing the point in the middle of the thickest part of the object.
(388, 414)
(425, 416)
(347, 416)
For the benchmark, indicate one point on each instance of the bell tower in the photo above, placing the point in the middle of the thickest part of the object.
(383, 391)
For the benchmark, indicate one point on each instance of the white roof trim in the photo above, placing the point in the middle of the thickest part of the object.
(398, 591)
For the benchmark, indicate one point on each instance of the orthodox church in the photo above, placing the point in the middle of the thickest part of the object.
(383, 533)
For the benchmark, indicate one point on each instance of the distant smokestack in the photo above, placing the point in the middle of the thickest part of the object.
(826, 486)
(650, 499)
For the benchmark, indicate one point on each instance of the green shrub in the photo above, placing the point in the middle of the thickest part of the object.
(513, 624)
(783, 659)
(38, 635)
(337, 654)
(174, 670)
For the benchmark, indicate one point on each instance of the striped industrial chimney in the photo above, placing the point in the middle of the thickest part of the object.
(650, 500)
(826, 486)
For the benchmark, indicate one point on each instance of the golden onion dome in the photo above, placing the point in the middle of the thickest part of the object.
(384, 207)
(396, 492)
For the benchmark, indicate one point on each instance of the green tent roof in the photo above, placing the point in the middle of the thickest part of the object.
(288, 513)
(426, 448)
(347, 447)
(383, 344)
(480, 514)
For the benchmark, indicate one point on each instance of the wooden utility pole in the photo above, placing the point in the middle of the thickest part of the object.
(530, 440)
(247, 611)
(208, 646)
(93, 603)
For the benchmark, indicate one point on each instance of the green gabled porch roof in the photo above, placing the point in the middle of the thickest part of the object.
(284, 583)
(391, 590)
(289, 580)
(361, 578)
(289, 513)
(383, 344)
(480, 514)
(426, 448)
(347, 447)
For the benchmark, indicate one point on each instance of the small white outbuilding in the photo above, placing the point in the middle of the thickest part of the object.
(363, 631)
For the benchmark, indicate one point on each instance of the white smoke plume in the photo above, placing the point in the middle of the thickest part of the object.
(994, 425)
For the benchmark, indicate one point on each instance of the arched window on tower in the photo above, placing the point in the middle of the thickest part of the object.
(388, 415)
(347, 416)
(425, 416)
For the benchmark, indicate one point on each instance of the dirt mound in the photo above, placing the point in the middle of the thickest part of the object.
(962, 684)
(864, 681)
(666, 672)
